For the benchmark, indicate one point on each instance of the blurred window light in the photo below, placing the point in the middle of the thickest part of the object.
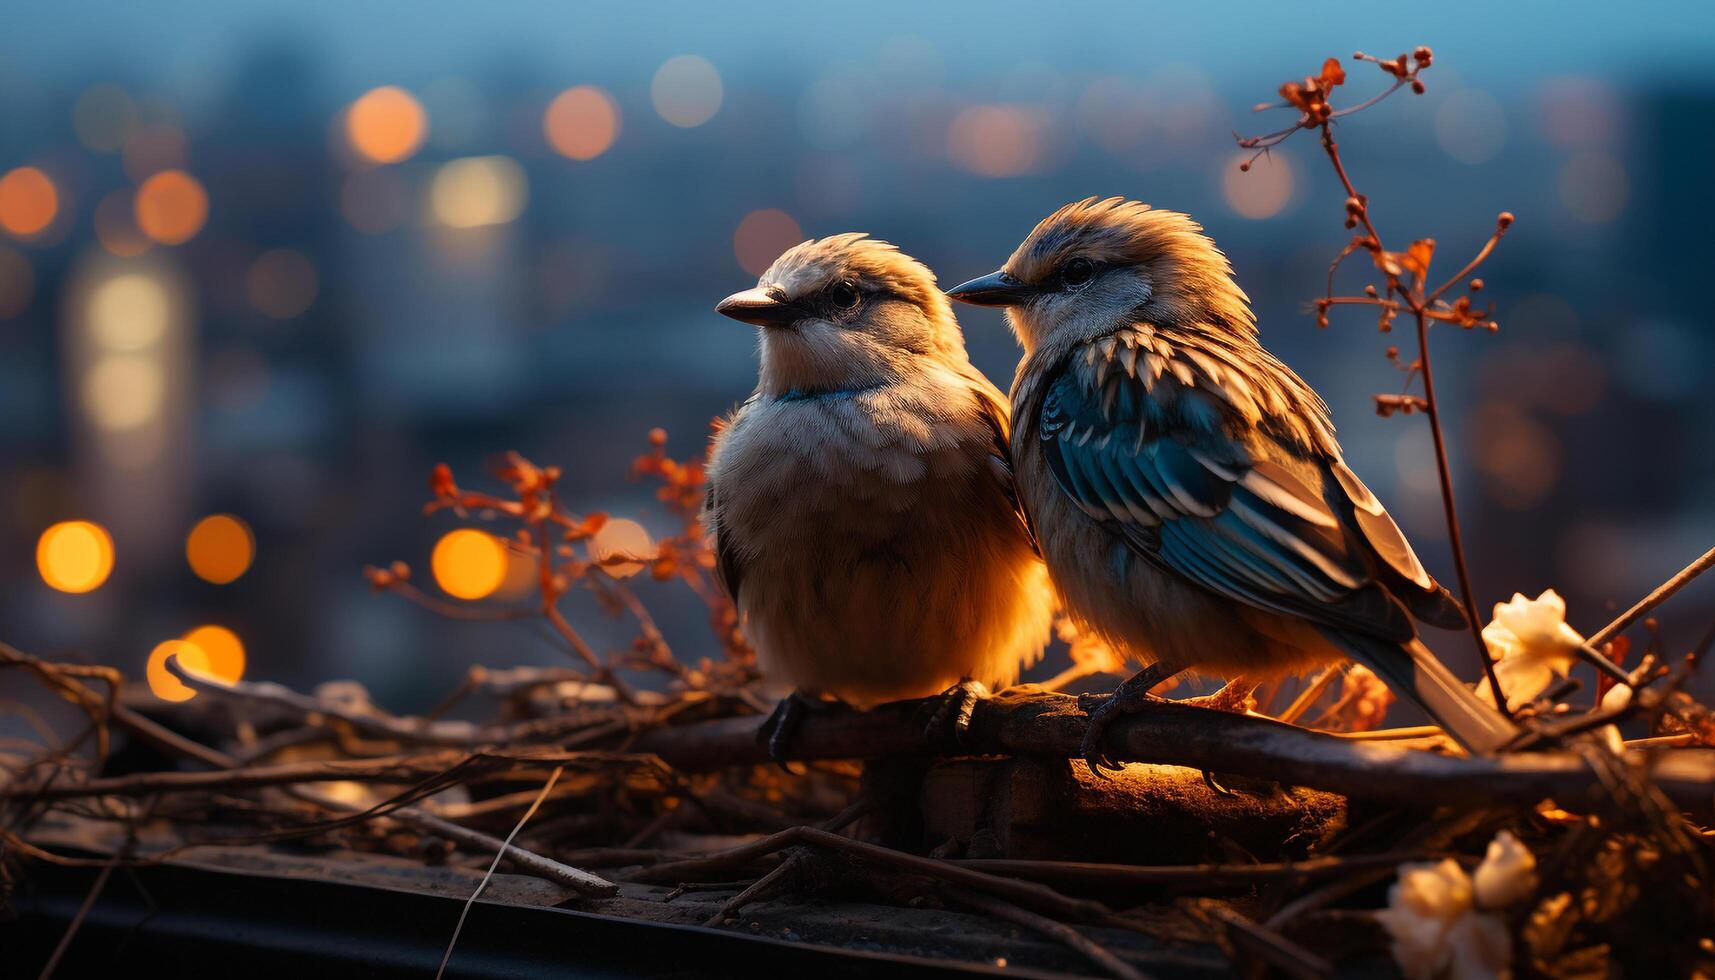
(1574, 112)
(581, 122)
(386, 125)
(104, 118)
(281, 283)
(128, 312)
(222, 650)
(116, 225)
(123, 392)
(686, 90)
(1519, 456)
(1260, 192)
(374, 201)
(190, 656)
(220, 548)
(153, 148)
(475, 191)
(468, 563)
(171, 207)
(761, 237)
(75, 556)
(1593, 187)
(17, 282)
(28, 201)
(1470, 126)
(622, 537)
(997, 140)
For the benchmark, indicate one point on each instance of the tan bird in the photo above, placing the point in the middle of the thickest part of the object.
(862, 502)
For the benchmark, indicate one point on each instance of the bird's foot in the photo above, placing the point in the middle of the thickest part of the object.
(778, 730)
(1130, 697)
(950, 722)
(1234, 698)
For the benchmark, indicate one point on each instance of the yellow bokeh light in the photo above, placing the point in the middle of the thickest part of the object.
(762, 236)
(124, 391)
(129, 312)
(220, 548)
(17, 282)
(468, 564)
(75, 556)
(996, 140)
(103, 117)
(581, 122)
(686, 90)
(622, 538)
(171, 207)
(28, 201)
(1262, 191)
(223, 650)
(386, 125)
(477, 191)
(281, 283)
(164, 685)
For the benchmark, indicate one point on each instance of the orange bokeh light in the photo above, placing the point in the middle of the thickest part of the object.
(581, 122)
(171, 207)
(222, 648)
(164, 685)
(281, 283)
(622, 537)
(762, 236)
(28, 201)
(996, 140)
(386, 125)
(220, 548)
(469, 564)
(75, 556)
(116, 225)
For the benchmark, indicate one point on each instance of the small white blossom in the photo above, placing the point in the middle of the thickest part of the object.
(1531, 643)
(1617, 697)
(1439, 918)
(1507, 874)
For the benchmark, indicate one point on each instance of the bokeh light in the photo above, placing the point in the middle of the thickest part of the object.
(75, 556)
(581, 122)
(281, 283)
(171, 207)
(17, 282)
(28, 201)
(190, 656)
(1519, 457)
(222, 651)
(1470, 126)
(220, 548)
(762, 236)
(128, 312)
(374, 201)
(386, 125)
(154, 148)
(477, 191)
(116, 225)
(1593, 187)
(686, 90)
(123, 392)
(104, 117)
(997, 140)
(622, 537)
(1260, 192)
(468, 564)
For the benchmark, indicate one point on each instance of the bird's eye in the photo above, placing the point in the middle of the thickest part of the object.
(1078, 272)
(843, 296)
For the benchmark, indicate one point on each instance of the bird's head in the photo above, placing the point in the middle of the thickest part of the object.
(845, 312)
(1097, 263)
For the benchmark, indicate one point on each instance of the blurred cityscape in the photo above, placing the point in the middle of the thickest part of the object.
(270, 267)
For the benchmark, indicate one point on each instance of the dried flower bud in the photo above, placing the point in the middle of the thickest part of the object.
(1417, 87)
(1370, 290)
(1245, 167)
(1476, 285)
(1423, 56)
(400, 571)
(658, 437)
(1505, 221)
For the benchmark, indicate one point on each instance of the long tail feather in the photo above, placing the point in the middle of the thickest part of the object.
(1413, 672)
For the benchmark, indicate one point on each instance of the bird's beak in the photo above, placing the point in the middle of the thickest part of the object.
(759, 307)
(994, 289)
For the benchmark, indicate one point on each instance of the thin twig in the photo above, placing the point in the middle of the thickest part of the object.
(1657, 596)
(89, 901)
(1074, 940)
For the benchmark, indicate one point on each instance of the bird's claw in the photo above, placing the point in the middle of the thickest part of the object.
(776, 732)
(951, 720)
(1129, 698)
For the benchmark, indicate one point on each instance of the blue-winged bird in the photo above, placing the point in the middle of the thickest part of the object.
(1186, 486)
(862, 500)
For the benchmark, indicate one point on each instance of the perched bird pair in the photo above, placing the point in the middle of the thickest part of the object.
(1184, 485)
